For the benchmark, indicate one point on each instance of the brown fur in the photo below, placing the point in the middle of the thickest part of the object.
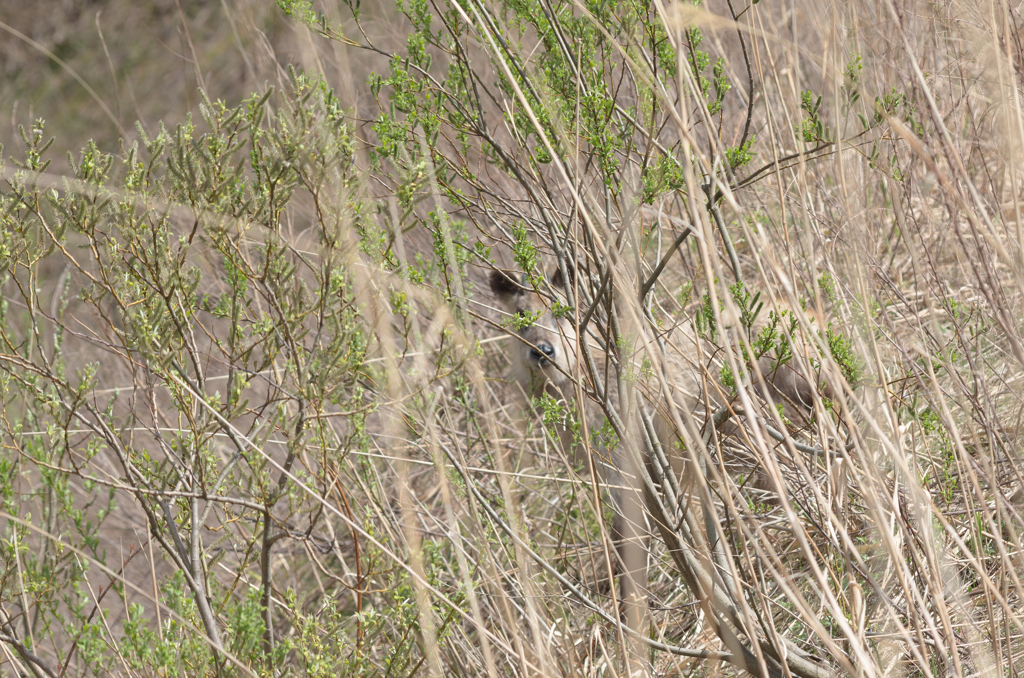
(544, 359)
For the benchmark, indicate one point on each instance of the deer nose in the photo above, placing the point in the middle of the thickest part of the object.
(542, 353)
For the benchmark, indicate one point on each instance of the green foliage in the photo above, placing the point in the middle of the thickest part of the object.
(841, 348)
(663, 175)
(301, 10)
(827, 285)
(524, 252)
(812, 129)
(523, 319)
(560, 310)
(136, 235)
(704, 320)
(605, 438)
(558, 416)
(569, 87)
(722, 85)
(750, 305)
(850, 93)
(685, 294)
(738, 156)
(726, 378)
(774, 338)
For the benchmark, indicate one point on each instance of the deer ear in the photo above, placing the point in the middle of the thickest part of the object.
(504, 286)
(558, 280)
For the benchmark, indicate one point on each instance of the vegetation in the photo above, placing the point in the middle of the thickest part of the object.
(253, 413)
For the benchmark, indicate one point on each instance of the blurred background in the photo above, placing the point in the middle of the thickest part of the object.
(145, 60)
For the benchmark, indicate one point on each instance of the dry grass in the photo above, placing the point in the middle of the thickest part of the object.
(301, 417)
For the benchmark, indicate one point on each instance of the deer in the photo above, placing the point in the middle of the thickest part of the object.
(545, 359)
